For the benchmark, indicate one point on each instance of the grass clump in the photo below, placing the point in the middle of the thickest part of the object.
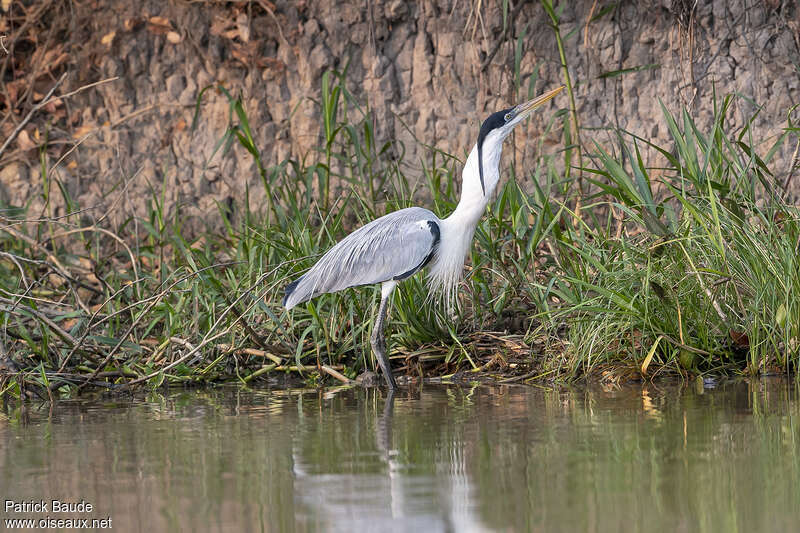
(704, 279)
(689, 267)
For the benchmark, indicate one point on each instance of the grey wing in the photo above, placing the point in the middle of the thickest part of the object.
(394, 246)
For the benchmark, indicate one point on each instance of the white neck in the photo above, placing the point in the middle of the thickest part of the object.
(473, 201)
(458, 229)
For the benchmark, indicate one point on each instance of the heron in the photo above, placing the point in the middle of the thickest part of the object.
(396, 246)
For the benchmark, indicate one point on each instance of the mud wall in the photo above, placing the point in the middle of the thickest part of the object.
(430, 70)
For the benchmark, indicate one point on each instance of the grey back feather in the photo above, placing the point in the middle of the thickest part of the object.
(391, 247)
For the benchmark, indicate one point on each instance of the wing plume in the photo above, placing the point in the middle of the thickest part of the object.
(394, 246)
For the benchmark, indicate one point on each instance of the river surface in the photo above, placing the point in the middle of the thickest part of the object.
(669, 457)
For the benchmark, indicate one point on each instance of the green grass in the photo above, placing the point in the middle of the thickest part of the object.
(709, 272)
(690, 267)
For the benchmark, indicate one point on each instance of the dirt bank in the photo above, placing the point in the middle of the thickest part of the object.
(428, 70)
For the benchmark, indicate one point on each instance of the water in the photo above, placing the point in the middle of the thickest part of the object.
(436, 458)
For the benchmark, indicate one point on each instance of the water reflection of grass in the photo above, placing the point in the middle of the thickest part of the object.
(656, 457)
(686, 265)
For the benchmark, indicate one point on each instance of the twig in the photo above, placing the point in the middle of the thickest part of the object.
(56, 264)
(333, 373)
(88, 86)
(134, 114)
(180, 360)
(296, 368)
(275, 19)
(206, 339)
(22, 221)
(158, 294)
(133, 325)
(251, 351)
(21, 270)
(686, 347)
(41, 316)
(29, 116)
(586, 27)
(182, 342)
(106, 232)
(302, 368)
(29, 20)
(89, 324)
(240, 317)
(263, 370)
(45, 101)
(537, 373)
(119, 196)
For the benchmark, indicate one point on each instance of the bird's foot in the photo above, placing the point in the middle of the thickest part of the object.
(379, 349)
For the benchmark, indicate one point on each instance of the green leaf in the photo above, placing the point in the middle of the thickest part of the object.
(615, 73)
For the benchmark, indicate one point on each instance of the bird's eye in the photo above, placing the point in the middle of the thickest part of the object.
(507, 117)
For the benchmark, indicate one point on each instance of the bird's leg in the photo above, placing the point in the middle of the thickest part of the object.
(378, 340)
(383, 435)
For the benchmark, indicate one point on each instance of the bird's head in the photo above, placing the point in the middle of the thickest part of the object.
(499, 125)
